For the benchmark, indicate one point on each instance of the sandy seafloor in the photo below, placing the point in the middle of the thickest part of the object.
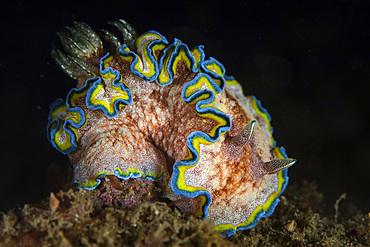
(309, 64)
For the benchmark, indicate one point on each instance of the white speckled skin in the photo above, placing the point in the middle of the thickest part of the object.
(150, 135)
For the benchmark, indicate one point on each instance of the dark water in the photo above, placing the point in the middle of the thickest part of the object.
(308, 64)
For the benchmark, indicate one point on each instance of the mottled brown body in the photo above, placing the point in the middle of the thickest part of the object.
(213, 144)
(159, 122)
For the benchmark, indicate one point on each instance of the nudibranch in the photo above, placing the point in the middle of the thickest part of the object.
(146, 108)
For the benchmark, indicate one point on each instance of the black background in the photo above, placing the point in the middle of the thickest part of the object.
(307, 62)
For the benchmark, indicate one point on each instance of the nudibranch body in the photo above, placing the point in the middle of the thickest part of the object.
(152, 109)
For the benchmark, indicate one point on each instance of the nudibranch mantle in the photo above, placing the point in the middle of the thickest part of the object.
(152, 109)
